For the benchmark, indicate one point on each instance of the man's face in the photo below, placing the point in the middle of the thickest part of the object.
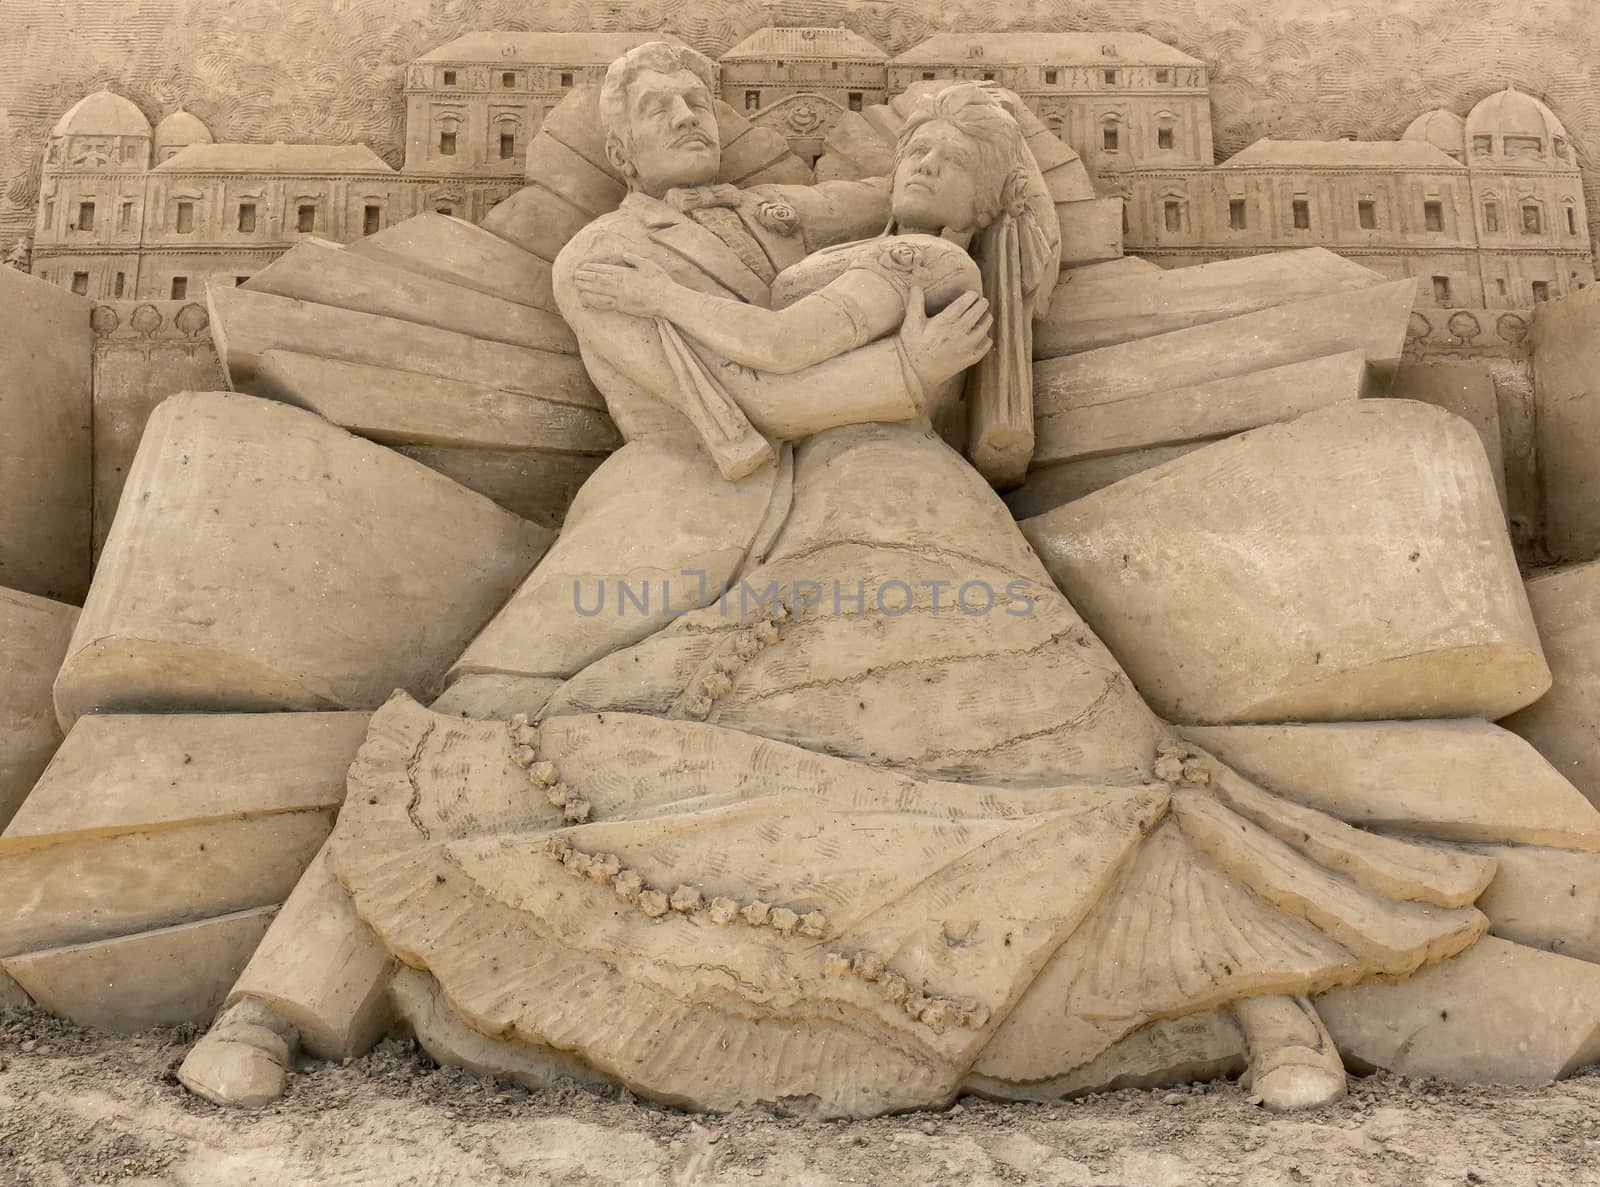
(674, 129)
(934, 186)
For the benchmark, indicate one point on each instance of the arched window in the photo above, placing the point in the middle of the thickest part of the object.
(1111, 133)
(506, 137)
(1166, 131)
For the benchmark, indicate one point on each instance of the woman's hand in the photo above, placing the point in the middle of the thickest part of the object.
(638, 286)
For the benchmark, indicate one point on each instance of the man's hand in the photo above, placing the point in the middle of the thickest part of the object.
(955, 338)
(637, 286)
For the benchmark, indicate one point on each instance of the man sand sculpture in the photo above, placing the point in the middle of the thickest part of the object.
(854, 846)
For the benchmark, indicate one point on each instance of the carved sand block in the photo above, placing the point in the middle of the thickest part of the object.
(1110, 308)
(35, 633)
(1455, 780)
(1087, 427)
(1564, 724)
(246, 324)
(324, 973)
(167, 977)
(326, 274)
(1329, 575)
(1373, 323)
(149, 821)
(46, 466)
(530, 455)
(1066, 482)
(1544, 898)
(462, 253)
(1091, 230)
(1566, 368)
(1465, 388)
(265, 559)
(1499, 1013)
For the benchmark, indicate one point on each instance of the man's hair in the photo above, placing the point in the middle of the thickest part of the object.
(981, 115)
(652, 55)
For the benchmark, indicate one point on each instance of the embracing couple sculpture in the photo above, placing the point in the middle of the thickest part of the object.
(857, 853)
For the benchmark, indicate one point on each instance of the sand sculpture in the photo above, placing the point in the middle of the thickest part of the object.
(793, 764)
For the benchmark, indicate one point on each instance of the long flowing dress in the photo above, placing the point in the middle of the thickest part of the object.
(885, 817)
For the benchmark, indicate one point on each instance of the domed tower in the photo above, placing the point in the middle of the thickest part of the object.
(1443, 129)
(1528, 193)
(1514, 127)
(100, 132)
(177, 132)
(91, 197)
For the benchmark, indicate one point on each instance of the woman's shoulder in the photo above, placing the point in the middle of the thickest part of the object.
(943, 270)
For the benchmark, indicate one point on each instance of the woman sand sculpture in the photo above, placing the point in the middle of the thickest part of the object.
(902, 826)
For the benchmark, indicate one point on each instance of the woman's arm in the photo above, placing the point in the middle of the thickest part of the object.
(854, 309)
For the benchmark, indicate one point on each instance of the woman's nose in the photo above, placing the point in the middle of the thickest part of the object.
(682, 114)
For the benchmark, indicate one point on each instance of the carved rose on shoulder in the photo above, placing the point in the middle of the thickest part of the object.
(778, 216)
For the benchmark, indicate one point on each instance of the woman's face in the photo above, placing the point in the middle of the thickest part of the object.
(935, 184)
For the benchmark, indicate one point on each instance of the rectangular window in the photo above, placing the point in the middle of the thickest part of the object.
(49, 215)
(1441, 291)
(1050, 77)
(1433, 216)
(125, 217)
(306, 219)
(185, 221)
(247, 218)
(855, 100)
(1367, 214)
(566, 78)
(1491, 216)
(1164, 136)
(80, 283)
(447, 144)
(1483, 145)
(508, 80)
(927, 75)
(120, 284)
(988, 76)
(1108, 138)
(1173, 211)
(1532, 220)
(85, 216)
(508, 146)
(180, 288)
(1238, 219)
(449, 78)
(1163, 76)
(239, 281)
(1302, 214)
(752, 100)
(1110, 77)
(1541, 291)
(1500, 286)
(371, 219)
(1572, 221)
(444, 209)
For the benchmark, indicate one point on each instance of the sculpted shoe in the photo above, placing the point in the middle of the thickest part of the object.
(1293, 1062)
(243, 1059)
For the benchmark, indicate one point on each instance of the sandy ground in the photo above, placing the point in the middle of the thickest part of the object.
(79, 1107)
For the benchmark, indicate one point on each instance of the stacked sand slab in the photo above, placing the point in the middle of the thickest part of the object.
(1466, 388)
(35, 632)
(264, 559)
(166, 977)
(1350, 565)
(1564, 724)
(146, 821)
(1500, 1013)
(46, 463)
(1566, 369)
(1135, 368)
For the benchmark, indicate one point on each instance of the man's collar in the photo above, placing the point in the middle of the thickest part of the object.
(652, 212)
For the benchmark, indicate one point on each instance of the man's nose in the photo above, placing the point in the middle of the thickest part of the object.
(682, 114)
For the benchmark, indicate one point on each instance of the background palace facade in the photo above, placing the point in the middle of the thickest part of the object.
(1487, 210)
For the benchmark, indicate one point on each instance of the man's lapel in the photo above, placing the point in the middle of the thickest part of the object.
(699, 247)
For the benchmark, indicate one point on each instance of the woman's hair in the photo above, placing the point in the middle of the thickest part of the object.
(978, 113)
